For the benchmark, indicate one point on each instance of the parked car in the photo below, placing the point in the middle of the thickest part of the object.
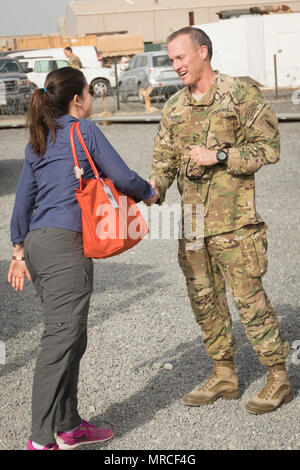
(15, 91)
(100, 79)
(149, 69)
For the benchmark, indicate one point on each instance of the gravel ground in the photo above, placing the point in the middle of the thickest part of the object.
(140, 320)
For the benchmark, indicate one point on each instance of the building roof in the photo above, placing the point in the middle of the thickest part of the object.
(119, 6)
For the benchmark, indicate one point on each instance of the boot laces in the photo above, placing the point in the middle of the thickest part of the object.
(269, 387)
(210, 380)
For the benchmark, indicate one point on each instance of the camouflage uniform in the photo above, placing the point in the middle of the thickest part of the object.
(231, 115)
(75, 62)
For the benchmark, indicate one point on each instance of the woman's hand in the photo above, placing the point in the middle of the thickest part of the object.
(18, 271)
(17, 274)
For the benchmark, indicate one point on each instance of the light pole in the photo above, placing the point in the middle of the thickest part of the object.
(275, 72)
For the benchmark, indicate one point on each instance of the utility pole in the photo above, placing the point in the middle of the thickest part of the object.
(117, 84)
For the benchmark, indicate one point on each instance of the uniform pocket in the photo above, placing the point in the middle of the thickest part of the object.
(254, 252)
(221, 132)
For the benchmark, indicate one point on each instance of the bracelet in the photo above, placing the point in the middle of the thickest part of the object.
(18, 258)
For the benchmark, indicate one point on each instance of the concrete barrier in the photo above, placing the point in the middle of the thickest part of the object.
(128, 118)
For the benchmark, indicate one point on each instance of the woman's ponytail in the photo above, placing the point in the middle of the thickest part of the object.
(51, 102)
(40, 122)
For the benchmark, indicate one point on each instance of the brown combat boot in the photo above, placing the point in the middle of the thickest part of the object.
(222, 383)
(276, 391)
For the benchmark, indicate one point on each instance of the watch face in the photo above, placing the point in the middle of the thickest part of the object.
(222, 155)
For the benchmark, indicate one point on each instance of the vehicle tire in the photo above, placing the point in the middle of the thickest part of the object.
(100, 85)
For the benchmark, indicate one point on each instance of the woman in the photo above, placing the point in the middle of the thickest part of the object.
(47, 249)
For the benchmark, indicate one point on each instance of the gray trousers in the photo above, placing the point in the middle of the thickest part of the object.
(63, 278)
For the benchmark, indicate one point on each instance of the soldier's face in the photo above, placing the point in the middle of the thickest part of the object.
(187, 59)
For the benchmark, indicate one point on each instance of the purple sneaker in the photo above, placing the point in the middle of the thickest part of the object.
(53, 446)
(86, 433)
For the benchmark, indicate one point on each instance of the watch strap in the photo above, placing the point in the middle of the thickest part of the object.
(18, 258)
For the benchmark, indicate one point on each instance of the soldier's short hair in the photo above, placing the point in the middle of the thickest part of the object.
(68, 48)
(197, 35)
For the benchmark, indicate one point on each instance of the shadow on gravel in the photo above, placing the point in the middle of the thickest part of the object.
(10, 171)
(110, 279)
(22, 311)
(191, 367)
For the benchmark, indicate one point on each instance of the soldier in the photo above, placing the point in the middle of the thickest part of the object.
(214, 135)
(74, 61)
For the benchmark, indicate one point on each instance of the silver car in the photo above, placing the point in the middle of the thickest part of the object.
(152, 69)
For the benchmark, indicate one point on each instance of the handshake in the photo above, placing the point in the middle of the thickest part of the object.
(153, 199)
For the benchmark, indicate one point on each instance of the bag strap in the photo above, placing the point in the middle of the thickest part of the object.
(96, 173)
(76, 164)
(79, 135)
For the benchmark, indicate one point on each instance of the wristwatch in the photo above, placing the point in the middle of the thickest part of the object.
(222, 156)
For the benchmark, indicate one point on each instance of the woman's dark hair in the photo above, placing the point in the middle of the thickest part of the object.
(51, 102)
(198, 37)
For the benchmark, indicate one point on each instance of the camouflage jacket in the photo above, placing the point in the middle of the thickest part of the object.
(232, 115)
(75, 62)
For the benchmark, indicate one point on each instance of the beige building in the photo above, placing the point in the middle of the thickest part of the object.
(153, 19)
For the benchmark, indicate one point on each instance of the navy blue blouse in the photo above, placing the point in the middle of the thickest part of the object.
(45, 194)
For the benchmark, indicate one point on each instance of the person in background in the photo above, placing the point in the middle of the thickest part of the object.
(214, 135)
(74, 61)
(46, 235)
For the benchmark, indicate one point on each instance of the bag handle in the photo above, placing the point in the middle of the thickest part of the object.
(79, 135)
(106, 188)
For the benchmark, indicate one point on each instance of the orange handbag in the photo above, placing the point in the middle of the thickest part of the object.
(111, 221)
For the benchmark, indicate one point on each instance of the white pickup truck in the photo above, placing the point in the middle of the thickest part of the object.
(101, 79)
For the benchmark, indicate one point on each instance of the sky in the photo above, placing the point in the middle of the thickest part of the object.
(18, 17)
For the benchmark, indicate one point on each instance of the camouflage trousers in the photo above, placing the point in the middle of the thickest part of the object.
(237, 259)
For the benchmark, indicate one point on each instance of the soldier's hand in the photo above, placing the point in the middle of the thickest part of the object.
(153, 199)
(203, 156)
(153, 183)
